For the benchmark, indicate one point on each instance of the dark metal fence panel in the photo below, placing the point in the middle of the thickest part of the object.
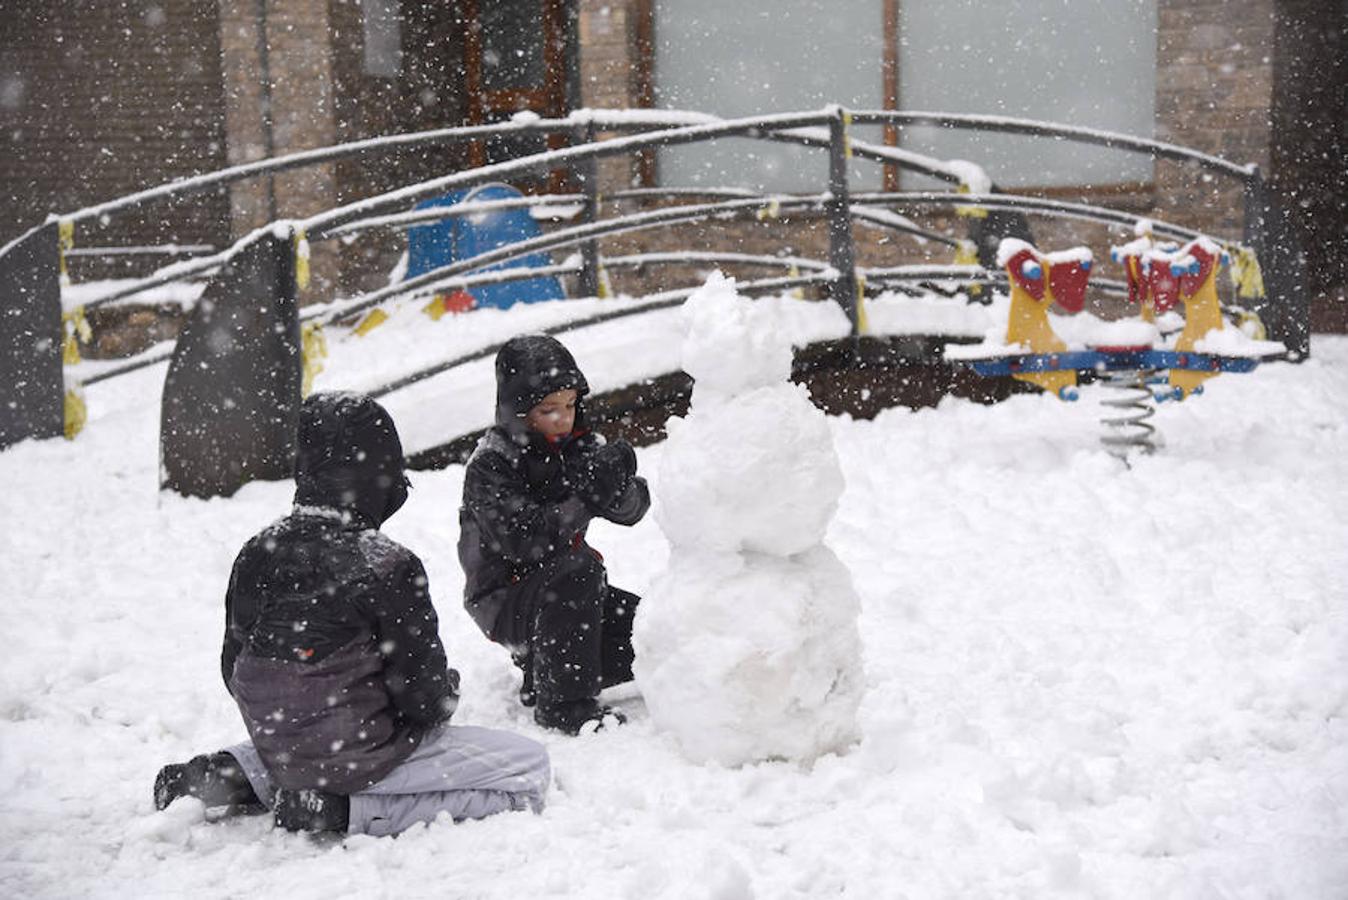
(31, 405)
(232, 394)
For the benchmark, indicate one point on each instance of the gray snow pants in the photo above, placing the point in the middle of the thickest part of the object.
(466, 771)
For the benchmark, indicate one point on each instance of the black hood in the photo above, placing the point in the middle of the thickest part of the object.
(349, 456)
(528, 368)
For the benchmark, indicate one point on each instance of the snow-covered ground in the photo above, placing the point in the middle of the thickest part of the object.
(1082, 680)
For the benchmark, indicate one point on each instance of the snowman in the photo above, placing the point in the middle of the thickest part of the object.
(747, 646)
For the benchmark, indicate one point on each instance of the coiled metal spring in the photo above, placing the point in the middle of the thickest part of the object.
(1133, 402)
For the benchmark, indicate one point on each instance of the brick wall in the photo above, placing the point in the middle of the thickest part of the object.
(608, 65)
(297, 70)
(101, 99)
(1214, 90)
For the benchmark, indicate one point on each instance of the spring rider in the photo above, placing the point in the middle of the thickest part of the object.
(1146, 367)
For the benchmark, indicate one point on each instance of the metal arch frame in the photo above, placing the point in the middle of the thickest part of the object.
(653, 130)
(746, 201)
(651, 122)
(1265, 226)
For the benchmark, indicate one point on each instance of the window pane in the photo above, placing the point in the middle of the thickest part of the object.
(764, 56)
(512, 44)
(1082, 62)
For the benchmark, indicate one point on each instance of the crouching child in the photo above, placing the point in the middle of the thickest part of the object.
(533, 584)
(332, 653)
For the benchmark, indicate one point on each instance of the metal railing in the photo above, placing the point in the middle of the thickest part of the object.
(256, 266)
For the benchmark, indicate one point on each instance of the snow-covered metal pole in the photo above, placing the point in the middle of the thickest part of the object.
(589, 250)
(841, 248)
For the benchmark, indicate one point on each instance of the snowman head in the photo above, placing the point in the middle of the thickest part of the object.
(732, 344)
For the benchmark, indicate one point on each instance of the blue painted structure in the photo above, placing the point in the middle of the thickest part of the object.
(437, 244)
(1124, 359)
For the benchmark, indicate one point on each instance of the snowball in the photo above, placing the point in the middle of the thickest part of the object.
(746, 657)
(758, 473)
(169, 826)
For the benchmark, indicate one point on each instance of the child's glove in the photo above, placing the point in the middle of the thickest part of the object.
(599, 478)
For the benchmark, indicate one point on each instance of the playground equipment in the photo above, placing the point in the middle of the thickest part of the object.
(262, 273)
(1134, 360)
(436, 244)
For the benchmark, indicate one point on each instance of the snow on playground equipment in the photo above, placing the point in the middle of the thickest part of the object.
(1133, 359)
(246, 278)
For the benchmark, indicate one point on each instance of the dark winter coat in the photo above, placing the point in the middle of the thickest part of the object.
(331, 645)
(519, 507)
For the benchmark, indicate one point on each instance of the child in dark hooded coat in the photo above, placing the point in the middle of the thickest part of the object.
(531, 487)
(332, 653)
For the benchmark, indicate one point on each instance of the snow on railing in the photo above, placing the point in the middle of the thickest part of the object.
(434, 280)
(895, 222)
(637, 260)
(145, 250)
(649, 303)
(318, 225)
(1057, 208)
(673, 120)
(688, 127)
(179, 271)
(327, 313)
(1035, 128)
(541, 202)
(521, 124)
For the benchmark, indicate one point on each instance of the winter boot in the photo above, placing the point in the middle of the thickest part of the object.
(215, 780)
(311, 810)
(524, 659)
(576, 716)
